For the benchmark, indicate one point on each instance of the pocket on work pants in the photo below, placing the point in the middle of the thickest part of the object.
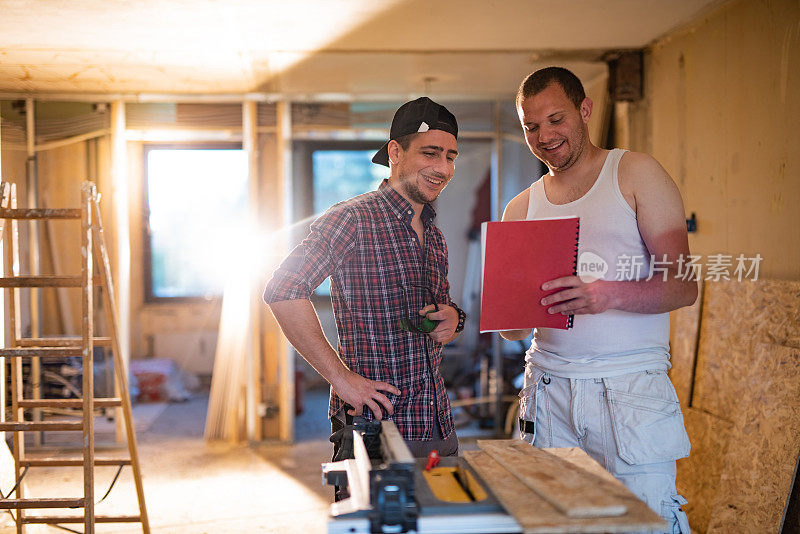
(646, 418)
(671, 511)
(528, 398)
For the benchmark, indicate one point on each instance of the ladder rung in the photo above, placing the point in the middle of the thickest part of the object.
(40, 213)
(67, 403)
(18, 426)
(46, 280)
(40, 503)
(42, 352)
(51, 520)
(58, 462)
(60, 341)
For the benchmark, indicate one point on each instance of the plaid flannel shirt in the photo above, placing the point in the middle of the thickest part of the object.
(373, 256)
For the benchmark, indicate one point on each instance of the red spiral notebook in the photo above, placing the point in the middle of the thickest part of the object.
(517, 258)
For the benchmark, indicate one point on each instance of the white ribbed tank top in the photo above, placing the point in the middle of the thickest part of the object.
(614, 342)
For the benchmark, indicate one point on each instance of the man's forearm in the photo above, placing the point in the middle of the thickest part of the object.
(300, 325)
(651, 296)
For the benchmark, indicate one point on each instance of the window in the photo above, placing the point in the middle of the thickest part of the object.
(338, 170)
(196, 198)
(342, 174)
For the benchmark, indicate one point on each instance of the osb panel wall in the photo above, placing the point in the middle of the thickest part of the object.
(744, 417)
(739, 475)
(699, 474)
(736, 162)
(736, 317)
(761, 458)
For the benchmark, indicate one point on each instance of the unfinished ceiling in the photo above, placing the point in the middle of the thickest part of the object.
(353, 47)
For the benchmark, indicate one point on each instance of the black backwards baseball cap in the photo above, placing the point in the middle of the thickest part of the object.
(419, 115)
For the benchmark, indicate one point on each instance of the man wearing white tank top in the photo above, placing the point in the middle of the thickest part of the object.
(602, 385)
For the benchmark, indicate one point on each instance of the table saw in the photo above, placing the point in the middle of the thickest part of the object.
(507, 486)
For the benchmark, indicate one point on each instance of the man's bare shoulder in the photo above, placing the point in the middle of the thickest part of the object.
(656, 196)
(638, 168)
(517, 208)
(641, 177)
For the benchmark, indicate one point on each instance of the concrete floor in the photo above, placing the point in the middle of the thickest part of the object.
(194, 487)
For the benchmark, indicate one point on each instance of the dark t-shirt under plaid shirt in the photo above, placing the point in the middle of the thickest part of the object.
(378, 274)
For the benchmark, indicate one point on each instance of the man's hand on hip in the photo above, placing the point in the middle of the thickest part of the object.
(358, 392)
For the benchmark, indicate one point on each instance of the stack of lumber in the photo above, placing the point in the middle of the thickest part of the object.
(736, 368)
(226, 418)
(558, 490)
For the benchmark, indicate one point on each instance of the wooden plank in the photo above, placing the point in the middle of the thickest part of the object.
(87, 335)
(5, 198)
(40, 213)
(16, 426)
(34, 260)
(578, 457)
(68, 403)
(12, 263)
(760, 464)
(17, 504)
(42, 352)
(253, 360)
(59, 462)
(41, 281)
(7, 471)
(60, 341)
(53, 520)
(120, 365)
(283, 360)
(536, 515)
(572, 490)
(119, 245)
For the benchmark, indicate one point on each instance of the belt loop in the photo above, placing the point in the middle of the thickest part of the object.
(605, 384)
(526, 426)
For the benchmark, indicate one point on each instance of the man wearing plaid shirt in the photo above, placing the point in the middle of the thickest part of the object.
(388, 267)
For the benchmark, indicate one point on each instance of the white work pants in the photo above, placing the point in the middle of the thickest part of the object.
(631, 424)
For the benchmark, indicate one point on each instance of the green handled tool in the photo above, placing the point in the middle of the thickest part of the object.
(423, 326)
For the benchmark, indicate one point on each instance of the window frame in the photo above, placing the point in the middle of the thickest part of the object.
(149, 296)
(305, 187)
(303, 190)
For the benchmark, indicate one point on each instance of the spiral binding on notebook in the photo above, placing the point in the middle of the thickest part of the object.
(571, 318)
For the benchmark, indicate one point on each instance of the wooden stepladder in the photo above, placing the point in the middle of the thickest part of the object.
(93, 252)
